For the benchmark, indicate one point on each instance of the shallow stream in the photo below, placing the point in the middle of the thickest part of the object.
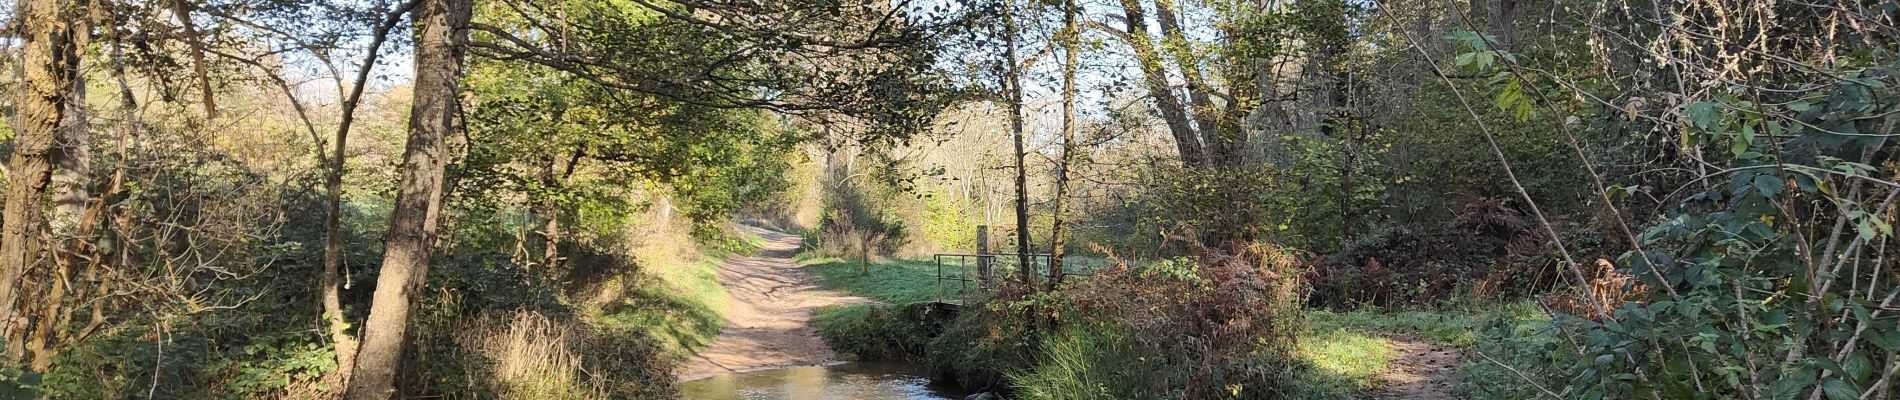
(848, 381)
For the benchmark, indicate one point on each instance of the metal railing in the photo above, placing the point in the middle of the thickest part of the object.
(969, 275)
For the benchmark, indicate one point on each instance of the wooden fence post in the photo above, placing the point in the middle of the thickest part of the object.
(983, 258)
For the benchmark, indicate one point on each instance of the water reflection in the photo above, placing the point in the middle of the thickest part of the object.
(851, 381)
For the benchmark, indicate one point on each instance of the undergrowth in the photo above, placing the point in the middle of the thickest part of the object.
(873, 332)
(1338, 354)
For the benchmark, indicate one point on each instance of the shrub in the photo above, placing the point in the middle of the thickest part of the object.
(1225, 325)
(1490, 250)
(982, 346)
(1219, 327)
(856, 218)
(874, 332)
(1766, 278)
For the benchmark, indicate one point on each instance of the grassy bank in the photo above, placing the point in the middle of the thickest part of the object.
(1343, 352)
(1339, 354)
(880, 331)
(875, 331)
(1046, 346)
(677, 307)
(675, 299)
(900, 281)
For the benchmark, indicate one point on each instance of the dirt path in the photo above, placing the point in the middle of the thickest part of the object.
(769, 320)
(1420, 370)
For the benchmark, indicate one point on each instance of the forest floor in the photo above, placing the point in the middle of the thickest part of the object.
(769, 319)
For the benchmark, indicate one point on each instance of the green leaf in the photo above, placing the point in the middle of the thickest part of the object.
(1839, 390)
(1703, 114)
(1768, 184)
(1857, 366)
(1884, 342)
(1787, 388)
(1507, 96)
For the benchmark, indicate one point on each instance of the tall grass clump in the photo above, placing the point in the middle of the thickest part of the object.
(1087, 364)
(533, 358)
(536, 354)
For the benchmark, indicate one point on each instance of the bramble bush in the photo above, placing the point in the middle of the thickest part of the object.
(1767, 275)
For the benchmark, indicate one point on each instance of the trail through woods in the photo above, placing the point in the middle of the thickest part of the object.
(769, 320)
(1420, 370)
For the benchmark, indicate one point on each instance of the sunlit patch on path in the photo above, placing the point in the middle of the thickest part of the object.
(769, 320)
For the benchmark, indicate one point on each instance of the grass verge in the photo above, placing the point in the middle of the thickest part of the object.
(900, 281)
(1338, 363)
(875, 331)
(1343, 352)
(675, 301)
(677, 308)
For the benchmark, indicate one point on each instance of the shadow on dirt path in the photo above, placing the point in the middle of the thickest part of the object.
(1420, 370)
(769, 319)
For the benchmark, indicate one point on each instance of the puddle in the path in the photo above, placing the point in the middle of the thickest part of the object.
(849, 381)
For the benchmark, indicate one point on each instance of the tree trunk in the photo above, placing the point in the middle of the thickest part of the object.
(1012, 84)
(1219, 149)
(441, 39)
(550, 213)
(72, 157)
(182, 9)
(1348, 217)
(51, 37)
(331, 282)
(1069, 38)
(555, 234)
(1501, 15)
(1186, 141)
(72, 160)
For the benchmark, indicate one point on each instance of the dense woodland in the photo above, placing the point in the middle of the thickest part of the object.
(515, 199)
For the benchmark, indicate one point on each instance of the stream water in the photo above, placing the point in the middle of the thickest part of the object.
(848, 381)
